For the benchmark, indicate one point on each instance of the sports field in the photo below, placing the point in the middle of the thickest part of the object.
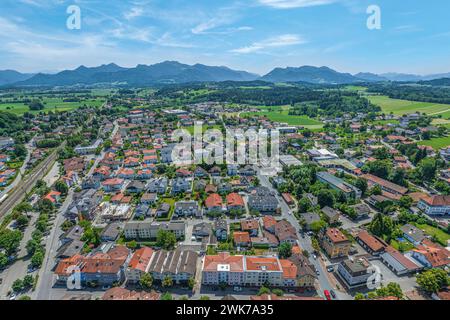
(401, 107)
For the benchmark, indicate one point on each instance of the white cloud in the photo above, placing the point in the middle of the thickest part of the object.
(274, 42)
(288, 4)
(134, 13)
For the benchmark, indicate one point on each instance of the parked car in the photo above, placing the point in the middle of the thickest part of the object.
(330, 268)
(237, 289)
(327, 294)
(333, 294)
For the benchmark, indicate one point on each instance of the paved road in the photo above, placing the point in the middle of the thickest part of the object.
(45, 281)
(18, 270)
(305, 243)
(44, 289)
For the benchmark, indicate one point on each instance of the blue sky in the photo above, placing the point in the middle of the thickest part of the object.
(252, 35)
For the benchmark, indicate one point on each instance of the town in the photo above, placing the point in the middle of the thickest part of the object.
(95, 207)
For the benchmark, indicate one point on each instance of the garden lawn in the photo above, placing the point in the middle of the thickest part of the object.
(439, 234)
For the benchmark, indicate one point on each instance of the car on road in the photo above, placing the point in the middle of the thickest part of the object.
(333, 294)
(330, 268)
(237, 289)
(327, 294)
(12, 297)
(314, 256)
(318, 272)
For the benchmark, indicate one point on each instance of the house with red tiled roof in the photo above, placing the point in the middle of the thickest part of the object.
(371, 243)
(437, 205)
(114, 184)
(432, 255)
(53, 196)
(213, 203)
(150, 159)
(131, 162)
(269, 223)
(138, 264)
(70, 179)
(103, 267)
(251, 226)
(335, 243)
(235, 202)
(126, 173)
(122, 294)
(102, 172)
(241, 239)
(223, 268)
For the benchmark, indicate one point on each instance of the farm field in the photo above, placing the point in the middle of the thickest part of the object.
(400, 107)
(283, 116)
(51, 104)
(436, 143)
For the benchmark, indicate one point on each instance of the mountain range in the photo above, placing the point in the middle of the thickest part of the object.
(171, 72)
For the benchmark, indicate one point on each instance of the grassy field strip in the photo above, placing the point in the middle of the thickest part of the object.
(284, 117)
(400, 107)
(436, 143)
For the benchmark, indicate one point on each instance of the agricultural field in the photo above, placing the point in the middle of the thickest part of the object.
(401, 107)
(436, 143)
(51, 104)
(282, 116)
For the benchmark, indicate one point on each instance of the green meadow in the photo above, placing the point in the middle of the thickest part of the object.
(436, 143)
(401, 107)
(281, 115)
(50, 104)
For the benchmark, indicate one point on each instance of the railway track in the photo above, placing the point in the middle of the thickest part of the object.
(27, 184)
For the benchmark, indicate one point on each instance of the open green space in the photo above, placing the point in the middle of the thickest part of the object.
(50, 104)
(436, 143)
(401, 107)
(282, 116)
(441, 236)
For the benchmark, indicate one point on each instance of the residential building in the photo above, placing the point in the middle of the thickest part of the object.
(213, 204)
(331, 215)
(138, 264)
(221, 229)
(435, 205)
(354, 273)
(103, 267)
(251, 226)
(149, 230)
(335, 243)
(179, 265)
(187, 209)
